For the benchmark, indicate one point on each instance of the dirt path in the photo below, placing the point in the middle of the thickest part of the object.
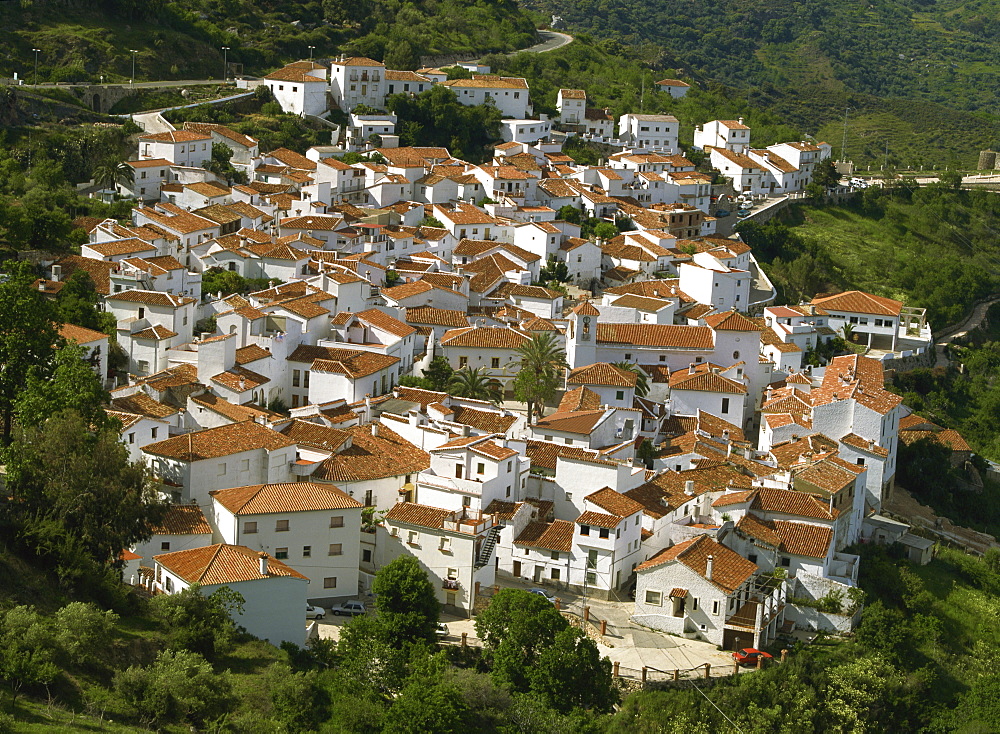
(974, 319)
(904, 505)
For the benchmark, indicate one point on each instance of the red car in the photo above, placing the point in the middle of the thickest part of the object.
(749, 656)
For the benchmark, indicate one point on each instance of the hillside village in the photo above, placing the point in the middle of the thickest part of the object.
(711, 453)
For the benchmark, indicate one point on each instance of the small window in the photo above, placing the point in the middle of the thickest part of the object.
(131, 438)
(222, 469)
(281, 553)
(620, 395)
(655, 598)
(495, 362)
(463, 362)
(249, 528)
(555, 574)
(281, 526)
(165, 546)
(605, 533)
(330, 582)
(786, 561)
(412, 537)
(736, 354)
(715, 607)
(337, 549)
(725, 405)
(480, 468)
(584, 530)
(366, 556)
(694, 603)
(555, 555)
(153, 431)
(245, 465)
(337, 521)
(170, 584)
(591, 577)
(752, 558)
(307, 551)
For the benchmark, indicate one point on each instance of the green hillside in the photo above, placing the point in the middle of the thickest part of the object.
(81, 41)
(918, 73)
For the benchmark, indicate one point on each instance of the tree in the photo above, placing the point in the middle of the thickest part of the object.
(221, 164)
(439, 373)
(109, 173)
(646, 453)
(83, 631)
(476, 384)
(197, 622)
(570, 213)
(641, 378)
(430, 222)
(79, 500)
(72, 385)
(515, 628)
(77, 303)
(542, 364)
(428, 707)
(605, 230)
(178, 687)
(571, 674)
(421, 383)
(825, 174)
(27, 650)
(28, 338)
(555, 270)
(407, 602)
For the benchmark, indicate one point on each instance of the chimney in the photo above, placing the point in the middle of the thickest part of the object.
(243, 383)
(691, 368)
(205, 335)
(41, 286)
(56, 273)
(262, 560)
(729, 449)
(689, 487)
(375, 429)
(725, 435)
(709, 562)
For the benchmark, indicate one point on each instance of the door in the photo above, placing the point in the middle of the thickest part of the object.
(517, 569)
(538, 574)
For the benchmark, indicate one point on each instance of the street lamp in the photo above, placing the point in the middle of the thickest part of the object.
(132, 80)
(225, 64)
(311, 52)
(37, 51)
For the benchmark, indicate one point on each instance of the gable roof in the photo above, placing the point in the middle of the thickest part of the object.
(795, 538)
(602, 373)
(729, 569)
(262, 499)
(183, 520)
(554, 536)
(213, 443)
(859, 302)
(373, 457)
(223, 564)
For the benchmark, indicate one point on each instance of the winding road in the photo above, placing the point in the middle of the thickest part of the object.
(973, 320)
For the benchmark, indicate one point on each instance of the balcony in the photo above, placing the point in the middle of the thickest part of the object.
(473, 522)
(449, 584)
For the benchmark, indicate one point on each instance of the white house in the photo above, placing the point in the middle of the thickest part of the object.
(674, 87)
(300, 88)
(732, 135)
(357, 81)
(649, 132)
(508, 94)
(274, 595)
(572, 106)
(183, 527)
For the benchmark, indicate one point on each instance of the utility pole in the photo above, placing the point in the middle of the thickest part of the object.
(885, 161)
(311, 48)
(37, 51)
(642, 95)
(132, 80)
(225, 64)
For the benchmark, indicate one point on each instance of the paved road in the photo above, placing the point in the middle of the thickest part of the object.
(139, 85)
(553, 40)
(974, 319)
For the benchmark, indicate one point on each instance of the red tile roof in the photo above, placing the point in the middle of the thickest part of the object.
(222, 564)
(262, 499)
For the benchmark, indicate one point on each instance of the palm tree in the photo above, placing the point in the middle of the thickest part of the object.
(109, 172)
(641, 379)
(542, 365)
(848, 331)
(475, 384)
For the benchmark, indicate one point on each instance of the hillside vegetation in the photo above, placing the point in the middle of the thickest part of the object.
(905, 67)
(83, 41)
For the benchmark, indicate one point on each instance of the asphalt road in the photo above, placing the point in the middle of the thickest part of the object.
(553, 40)
(139, 85)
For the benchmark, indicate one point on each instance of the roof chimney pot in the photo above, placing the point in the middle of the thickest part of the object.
(262, 561)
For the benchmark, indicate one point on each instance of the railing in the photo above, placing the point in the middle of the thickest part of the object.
(450, 584)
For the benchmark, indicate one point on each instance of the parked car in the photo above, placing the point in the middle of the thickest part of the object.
(314, 612)
(722, 212)
(441, 630)
(542, 592)
(749, 656)
(352, 608)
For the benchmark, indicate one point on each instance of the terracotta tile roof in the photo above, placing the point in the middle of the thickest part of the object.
(373, 457)
(733, 498)
(236, 413)
(183, 520)
(488, 81)
(602, 373)
(315, 435)
(545, 454)
(483, 420)
(729, 569)
(289, 74)
(857, 442)
(417, 395)
(705, 381)
(824, 476)
(485, 337)
(581, 422)
(262, 499)
(222, 130)
(503, 510)
(731, 321)
(553, 536)
(250, 353)
(354, 363)
(656, 335)
(794, 538)
(947, 437)
(79, 334)
(98, 270)
(672, 83)
(155, 332)
(599, 519)
(422, 515)
(614, 502)
(143, 404)
(128, 246)
(573, 93)
(508, 290)
(859, 302)
(293, 159)
(385, 322)
(240, 379)
(655, 500)
(358, 61)
(641, 303)
(791, 502)
(176, 136)
(176, 219)
(436, 317)
(581, 398)
(213, 443)
(151, 298)
(222, 564)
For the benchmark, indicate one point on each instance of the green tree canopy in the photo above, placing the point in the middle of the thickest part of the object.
(197, 622)
(641, 378)
(72, 385)
(439, 373)
(572, 674)
(407, 602)
(542, 365)
(475, 383)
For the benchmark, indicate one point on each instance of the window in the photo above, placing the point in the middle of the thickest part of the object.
(445, 545)
(165, 546)
(281, 553)
(307, 551)
(628, 357)
(725, 405)
(591, 577)
(131, 438)
(786, 561)
(245, 465)
(480, 468)
(412, 537)
(330, 582)
(715, 607)
(170, 584)
(296, 378)
(654, 598)
(736, 354)
(663, 358)
(281, 526)
(463, 362)
(336, 549)
(249, 528)
(366, 556)
(305, 379)
(861, 461)
(605, 533)
(508, 490)
(466, 501)
(495, 362)
(337, 521)
(694, 603)
(584, 530)
(591, 559)
(222, 469)
(555, 574)
(555, 555)
(752, 558)
(620, 395)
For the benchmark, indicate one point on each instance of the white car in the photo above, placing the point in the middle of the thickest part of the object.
(315, 612)
(441, 630)
(543, 593)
